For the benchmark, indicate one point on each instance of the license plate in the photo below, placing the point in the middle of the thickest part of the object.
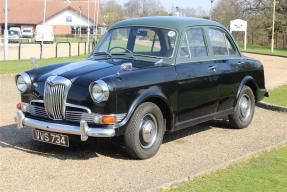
(49, 137)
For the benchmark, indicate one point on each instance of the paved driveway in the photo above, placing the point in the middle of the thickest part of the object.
(103, 165)
(275, 69)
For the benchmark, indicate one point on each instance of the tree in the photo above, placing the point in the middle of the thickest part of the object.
(258, 13)
(112, 11)
(192, 12)
(225, 11)
(140, 8)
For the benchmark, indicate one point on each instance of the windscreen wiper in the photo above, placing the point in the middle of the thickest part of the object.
(102, 53)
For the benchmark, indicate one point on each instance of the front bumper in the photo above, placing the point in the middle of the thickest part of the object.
(83, 130)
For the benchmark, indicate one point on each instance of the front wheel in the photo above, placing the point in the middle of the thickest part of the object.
(244, 109)
(144, 133)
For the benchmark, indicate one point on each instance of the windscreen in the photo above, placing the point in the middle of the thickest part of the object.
(144, 41)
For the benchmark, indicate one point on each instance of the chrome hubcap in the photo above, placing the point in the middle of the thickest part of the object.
(244, 107)
(148, 130)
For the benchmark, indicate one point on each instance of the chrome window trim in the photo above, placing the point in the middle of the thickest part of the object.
(188, 44)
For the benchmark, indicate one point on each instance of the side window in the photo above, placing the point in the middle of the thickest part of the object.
(184, 50)
(196, 43)
(218, 43)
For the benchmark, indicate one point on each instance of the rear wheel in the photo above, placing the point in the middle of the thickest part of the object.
(244, 109)
(144, 133)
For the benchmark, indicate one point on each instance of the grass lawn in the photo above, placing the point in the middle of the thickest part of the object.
(266, 172)
(278, 96)
(15, 66)
(264, 50)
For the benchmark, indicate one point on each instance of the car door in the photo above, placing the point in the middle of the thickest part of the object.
(197, 79)
(227, 61)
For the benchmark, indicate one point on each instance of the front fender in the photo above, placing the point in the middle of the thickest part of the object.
(144, 95)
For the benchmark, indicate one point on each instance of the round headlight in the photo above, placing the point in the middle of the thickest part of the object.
(23, 82)
(99, 91)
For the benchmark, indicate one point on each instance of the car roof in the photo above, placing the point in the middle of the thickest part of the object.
(169, 22)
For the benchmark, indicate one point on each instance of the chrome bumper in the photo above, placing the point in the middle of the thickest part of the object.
(83, 130)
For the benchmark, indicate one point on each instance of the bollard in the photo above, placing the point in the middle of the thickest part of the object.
(69, 49)
(56, 51)
(78, 48)
(19, 51)
(41, 50)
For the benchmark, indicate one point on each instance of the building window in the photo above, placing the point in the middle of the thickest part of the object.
(69, 19)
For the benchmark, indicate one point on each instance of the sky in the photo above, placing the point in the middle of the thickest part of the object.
(203, 4)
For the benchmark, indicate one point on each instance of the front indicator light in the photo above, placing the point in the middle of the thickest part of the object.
(19, 106)
(108, 120)
(22, 106)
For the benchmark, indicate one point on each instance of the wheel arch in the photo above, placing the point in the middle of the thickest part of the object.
(250, 82)
(165, 109)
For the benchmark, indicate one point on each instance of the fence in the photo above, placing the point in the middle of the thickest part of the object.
(18, 51)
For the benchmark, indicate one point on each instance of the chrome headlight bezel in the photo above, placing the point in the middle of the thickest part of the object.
(23, 82)
(99, 91)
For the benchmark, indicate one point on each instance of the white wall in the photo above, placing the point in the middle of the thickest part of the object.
(68, 17)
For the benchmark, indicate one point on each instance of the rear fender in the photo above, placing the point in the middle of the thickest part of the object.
(247, 80)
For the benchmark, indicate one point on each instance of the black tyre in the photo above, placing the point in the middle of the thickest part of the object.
(144, 133)
(244, 109)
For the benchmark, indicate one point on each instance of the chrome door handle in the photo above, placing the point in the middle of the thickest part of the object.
(240, 62)
(212, 68)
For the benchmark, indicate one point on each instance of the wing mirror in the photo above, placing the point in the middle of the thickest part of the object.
(126, 67)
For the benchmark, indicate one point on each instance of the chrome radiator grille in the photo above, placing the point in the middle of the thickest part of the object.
(55, 96)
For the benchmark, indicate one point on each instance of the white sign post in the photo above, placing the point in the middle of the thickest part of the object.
(239, 25)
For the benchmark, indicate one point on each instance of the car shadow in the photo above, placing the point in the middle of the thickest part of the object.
(21, 139)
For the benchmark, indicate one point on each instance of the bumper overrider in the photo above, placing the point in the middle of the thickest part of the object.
(83, 129)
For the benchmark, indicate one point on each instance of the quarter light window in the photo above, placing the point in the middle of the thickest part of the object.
(184, 50)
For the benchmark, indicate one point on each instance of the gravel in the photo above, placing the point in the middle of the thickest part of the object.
(103, 165)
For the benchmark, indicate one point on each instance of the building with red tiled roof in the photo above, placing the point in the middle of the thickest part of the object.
(66, 16)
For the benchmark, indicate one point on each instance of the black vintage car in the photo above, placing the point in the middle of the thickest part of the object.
(146, 76)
